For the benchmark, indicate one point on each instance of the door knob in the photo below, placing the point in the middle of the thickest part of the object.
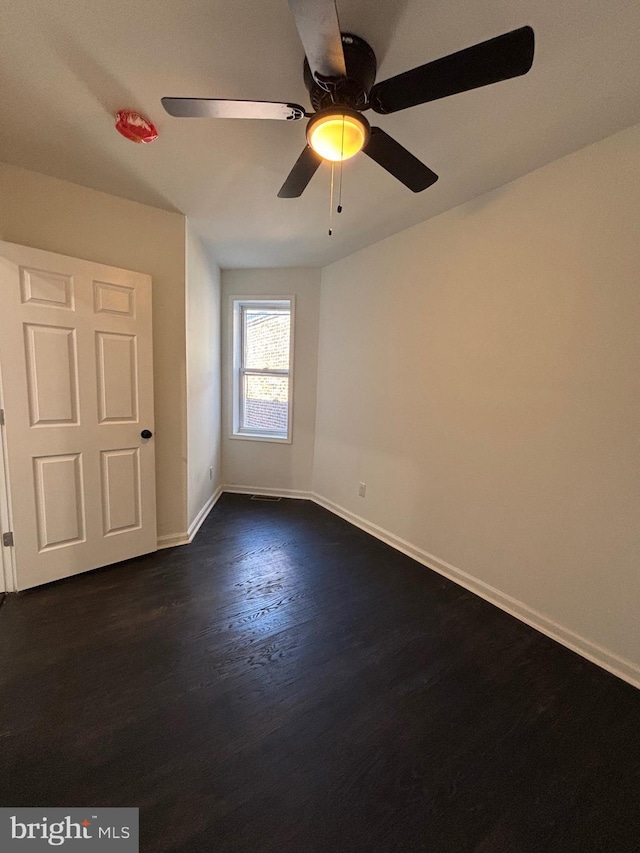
(146, 433)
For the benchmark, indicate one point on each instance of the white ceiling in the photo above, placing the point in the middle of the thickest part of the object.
(67, 66)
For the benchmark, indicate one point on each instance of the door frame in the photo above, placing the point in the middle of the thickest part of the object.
(7, 554)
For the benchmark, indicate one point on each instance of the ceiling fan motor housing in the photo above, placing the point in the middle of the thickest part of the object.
(340, 75)
(352, 90)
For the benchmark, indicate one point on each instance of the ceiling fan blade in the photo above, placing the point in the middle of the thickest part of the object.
(319, 31)
(398, 161)
(220, 108)
(305, 168)
(500, 58)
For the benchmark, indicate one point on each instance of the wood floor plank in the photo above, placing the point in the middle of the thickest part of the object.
(288, 683)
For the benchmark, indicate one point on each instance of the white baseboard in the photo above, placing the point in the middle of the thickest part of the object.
(172, 539)
(621, 667)
(197, 522)
(272, 493)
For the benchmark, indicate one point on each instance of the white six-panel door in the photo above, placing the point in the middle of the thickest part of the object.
(76, 356)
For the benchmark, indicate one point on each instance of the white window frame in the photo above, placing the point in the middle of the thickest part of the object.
(239, 305)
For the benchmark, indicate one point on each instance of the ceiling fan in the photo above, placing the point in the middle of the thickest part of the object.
(339, 73)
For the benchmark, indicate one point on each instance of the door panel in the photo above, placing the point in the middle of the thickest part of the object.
(52, 376)
(47, 288)
(59, 490)
(114, 299)
(75, 345)
(121, 490)
(117, 377)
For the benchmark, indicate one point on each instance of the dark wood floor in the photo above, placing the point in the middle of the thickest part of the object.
(288, 683)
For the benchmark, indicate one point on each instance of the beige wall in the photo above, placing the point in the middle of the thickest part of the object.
(480, 373)
(39, 211)
(260, 465)
(203, 376)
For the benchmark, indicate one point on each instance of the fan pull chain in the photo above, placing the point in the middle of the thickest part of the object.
(339, 209)
(331, 201)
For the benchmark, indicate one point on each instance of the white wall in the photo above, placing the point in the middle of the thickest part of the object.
(44, 212)
(203, 377)
(481, 373)
(260, 465)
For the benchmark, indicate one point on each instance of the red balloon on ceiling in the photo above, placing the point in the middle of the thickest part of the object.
(135, 127)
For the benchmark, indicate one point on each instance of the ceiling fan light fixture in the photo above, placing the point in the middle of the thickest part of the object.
(338, 133)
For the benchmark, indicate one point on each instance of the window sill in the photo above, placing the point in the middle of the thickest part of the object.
(256, 436)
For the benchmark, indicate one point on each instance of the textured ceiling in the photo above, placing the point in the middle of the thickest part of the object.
(66, 67)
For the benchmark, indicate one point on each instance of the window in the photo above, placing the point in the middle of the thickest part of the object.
(262, 364)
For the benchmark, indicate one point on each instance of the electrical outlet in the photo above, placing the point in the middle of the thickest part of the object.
(362, 489)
